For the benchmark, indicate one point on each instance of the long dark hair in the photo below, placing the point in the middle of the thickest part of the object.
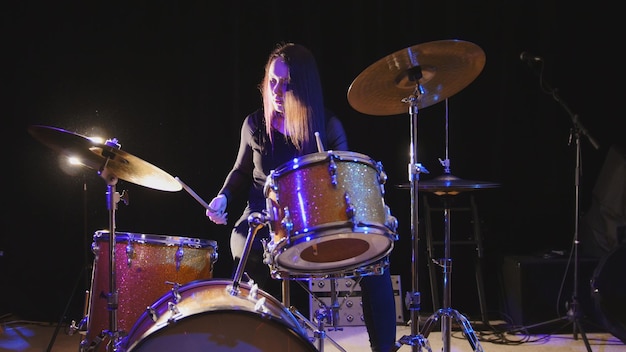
(303, 100)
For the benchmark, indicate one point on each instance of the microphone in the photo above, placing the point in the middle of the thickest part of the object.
(527, 57)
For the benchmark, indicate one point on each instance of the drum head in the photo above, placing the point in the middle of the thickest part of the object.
(228, 330)
(609, 292)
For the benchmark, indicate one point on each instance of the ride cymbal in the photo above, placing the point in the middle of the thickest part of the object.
(437, 70)
(103, 157)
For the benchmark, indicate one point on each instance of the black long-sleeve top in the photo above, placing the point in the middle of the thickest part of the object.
(257, 157)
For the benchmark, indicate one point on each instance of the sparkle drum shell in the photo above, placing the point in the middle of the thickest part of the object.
(208, 315)
(147, 266)
(328, 214)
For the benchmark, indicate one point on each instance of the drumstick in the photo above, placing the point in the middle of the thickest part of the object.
(320, 147)
(194, 195)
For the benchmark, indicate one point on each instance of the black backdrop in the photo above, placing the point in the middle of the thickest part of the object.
(173, 81)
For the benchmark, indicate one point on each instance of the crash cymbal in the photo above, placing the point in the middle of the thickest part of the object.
(442, 69)
(102, 157)
(451, 185)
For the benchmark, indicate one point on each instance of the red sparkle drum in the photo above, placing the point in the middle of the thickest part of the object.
(208, 315)
(147, 266)
(328, 215)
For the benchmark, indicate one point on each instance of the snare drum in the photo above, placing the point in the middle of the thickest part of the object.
(147, 266)
(210, 316)
(328, 215)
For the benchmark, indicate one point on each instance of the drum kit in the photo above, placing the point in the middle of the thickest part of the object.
(326, 214)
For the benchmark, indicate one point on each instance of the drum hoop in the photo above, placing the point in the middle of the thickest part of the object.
(315, 158)
(190, 286)
(301, 336)
(333, 228)
(280, 249)
(169, 240)
(364, 268)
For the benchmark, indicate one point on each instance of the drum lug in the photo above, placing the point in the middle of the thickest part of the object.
(172, 307)
(350, 212)
(391, 222)
(175, 292)
(180, 253)
(382, 176)
(332, 170)
(152, 313)
(130, 251)
(213, 258)
(260, 306)
(270, 184)
(287, 223)
(254, 291)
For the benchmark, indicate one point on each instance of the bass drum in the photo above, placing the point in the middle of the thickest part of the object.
(609, 292)
(207, 315)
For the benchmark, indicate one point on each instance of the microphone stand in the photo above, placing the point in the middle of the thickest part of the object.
(577, 129)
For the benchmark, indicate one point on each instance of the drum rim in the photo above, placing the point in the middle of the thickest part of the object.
(298, 270)
(319, 157)
(202, 283)
(303, 339)
(173, 240)
(339, 227)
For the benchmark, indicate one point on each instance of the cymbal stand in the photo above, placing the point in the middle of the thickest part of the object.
(412, 299)
(326, 314)
(113, 198)
(446, 312)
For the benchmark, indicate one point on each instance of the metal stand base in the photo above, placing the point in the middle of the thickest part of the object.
(447, 314)
(418, 342)
(319, 334)
(572, 317)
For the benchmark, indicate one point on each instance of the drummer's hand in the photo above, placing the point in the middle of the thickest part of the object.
(216, 211)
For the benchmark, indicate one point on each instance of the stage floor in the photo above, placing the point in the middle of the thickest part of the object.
(25, 336)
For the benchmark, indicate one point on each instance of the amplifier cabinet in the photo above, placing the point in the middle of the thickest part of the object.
(348, 295)
(532, 286)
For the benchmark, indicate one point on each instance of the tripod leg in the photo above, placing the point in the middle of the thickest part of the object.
(468, 331)
(573, 315)
(583, 334)
(430, 322)
(416, 339)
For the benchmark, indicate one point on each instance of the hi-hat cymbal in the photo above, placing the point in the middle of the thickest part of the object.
(103, 157)
(442, 69)
(450, 185)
